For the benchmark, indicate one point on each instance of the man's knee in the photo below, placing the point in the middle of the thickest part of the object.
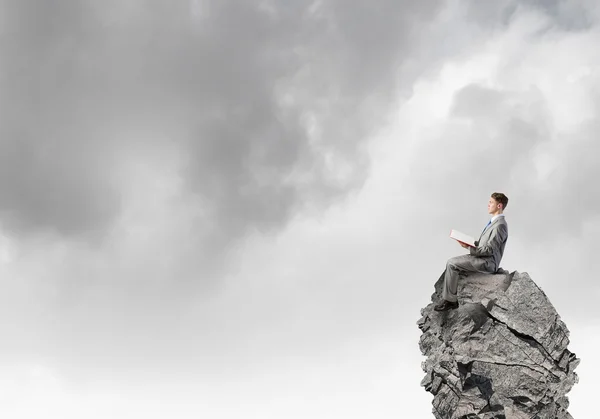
(452, 263)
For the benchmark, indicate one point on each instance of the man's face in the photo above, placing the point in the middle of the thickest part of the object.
(493, 206)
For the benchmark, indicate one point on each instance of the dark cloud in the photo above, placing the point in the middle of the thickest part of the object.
(565, 15)
(236, 86)
(568, 15)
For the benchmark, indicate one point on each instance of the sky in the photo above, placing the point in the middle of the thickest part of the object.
(237, 209)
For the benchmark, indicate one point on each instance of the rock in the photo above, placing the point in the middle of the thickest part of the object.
(501, 354)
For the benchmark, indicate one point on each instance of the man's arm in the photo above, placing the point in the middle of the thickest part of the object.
(497, 236)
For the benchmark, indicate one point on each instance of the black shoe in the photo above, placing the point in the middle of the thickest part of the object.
(446, 305)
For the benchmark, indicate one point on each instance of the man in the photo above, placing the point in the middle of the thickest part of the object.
(485, 257)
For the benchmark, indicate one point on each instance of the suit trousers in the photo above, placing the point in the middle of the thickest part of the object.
(464, 263)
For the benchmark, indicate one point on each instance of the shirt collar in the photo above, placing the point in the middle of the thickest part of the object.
(496, 216)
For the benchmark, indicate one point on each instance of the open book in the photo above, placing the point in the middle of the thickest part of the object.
(462, 237)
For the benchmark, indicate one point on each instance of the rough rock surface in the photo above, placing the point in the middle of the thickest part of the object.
(502, 354)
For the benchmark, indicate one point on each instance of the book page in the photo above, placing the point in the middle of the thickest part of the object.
(462, 237)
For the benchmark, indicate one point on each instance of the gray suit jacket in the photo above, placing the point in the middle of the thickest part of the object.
(490, 246)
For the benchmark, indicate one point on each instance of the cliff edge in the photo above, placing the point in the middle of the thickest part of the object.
(501, 354)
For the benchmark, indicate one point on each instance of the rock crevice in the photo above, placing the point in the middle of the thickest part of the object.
(502, 354)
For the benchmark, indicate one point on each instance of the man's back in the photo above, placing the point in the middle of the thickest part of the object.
(491, 244)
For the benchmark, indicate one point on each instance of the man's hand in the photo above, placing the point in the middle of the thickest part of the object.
(466, 246)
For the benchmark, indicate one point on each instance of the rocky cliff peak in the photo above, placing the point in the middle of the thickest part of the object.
(501, 354)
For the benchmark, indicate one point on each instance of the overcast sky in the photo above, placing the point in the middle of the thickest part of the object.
(228, 209)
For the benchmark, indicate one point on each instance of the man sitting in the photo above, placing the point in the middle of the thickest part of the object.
(485, 257)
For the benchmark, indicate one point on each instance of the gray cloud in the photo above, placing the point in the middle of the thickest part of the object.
(237, 87)
(265, 111)
(271, 108)
(565, 15)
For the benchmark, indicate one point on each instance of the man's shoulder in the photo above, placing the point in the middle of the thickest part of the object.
(501, 221)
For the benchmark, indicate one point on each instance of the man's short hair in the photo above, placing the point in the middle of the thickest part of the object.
(500, 198)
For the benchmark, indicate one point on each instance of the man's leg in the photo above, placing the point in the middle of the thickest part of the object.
(453, 268)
